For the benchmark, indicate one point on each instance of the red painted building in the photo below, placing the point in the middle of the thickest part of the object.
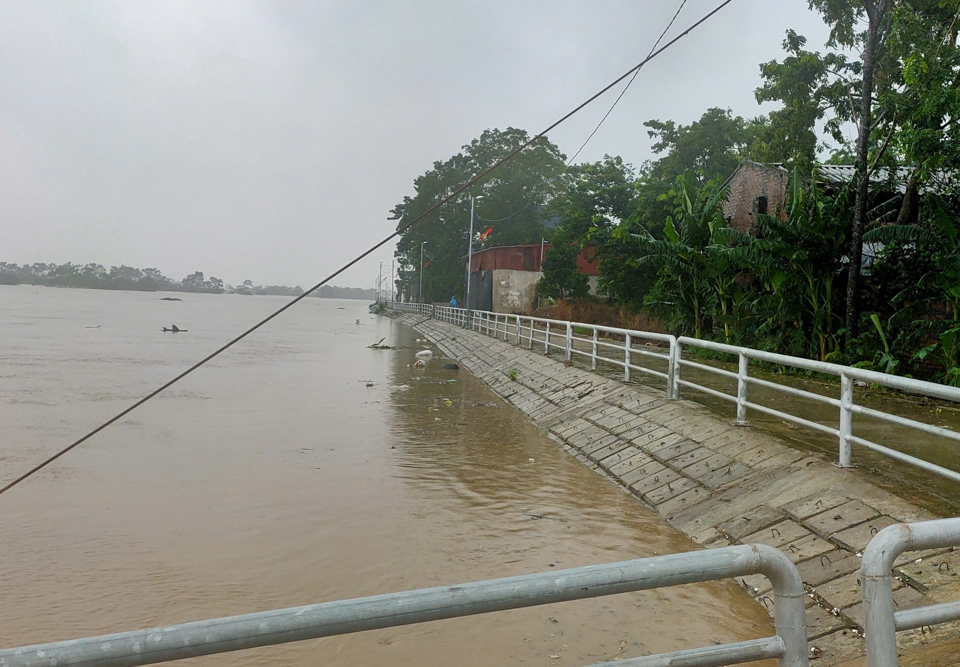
(504, 279)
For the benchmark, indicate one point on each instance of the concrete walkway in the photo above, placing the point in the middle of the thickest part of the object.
(720, 484)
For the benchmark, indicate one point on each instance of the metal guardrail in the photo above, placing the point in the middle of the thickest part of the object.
(877, 569)
(561, 336)
(236, 633)
(845, 403)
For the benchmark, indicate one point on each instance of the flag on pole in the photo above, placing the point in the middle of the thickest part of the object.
(427, 264)
(484, 235)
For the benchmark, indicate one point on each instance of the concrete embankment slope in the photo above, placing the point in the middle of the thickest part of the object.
(720, 484)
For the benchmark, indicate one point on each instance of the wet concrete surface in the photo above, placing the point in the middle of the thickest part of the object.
(277, 477)
(724, 484)
(937, 494)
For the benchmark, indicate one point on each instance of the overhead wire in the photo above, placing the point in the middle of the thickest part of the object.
(605, 116)
(629, 83)
(400, 230)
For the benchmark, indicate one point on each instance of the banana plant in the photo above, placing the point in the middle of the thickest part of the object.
(796, 256)
(697, 274)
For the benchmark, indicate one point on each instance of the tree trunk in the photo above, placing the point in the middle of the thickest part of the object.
(875, 15)
(911, 201)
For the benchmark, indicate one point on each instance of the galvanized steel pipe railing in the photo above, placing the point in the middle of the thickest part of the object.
(235, 633)
(877, 570)
(845, 404)
(561, 336)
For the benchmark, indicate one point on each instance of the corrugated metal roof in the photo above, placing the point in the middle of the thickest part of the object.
(941, 182)
(527, 258)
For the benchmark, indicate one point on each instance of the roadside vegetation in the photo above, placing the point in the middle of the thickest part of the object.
(883, 97)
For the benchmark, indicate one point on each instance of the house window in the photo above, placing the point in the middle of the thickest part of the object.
(762, 205)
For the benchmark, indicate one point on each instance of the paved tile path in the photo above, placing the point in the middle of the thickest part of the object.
(720, 484)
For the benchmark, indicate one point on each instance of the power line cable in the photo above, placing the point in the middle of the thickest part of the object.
(606, 115)
(369, 251)
(627, 87)
(515, 213)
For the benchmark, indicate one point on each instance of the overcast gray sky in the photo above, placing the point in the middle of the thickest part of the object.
(269, 140)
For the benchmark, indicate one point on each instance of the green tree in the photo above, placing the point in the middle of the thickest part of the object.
(193, 282)
(899, 94)
(697, 271)
(812, 87)
(562, 278)
(796, 261)
(929, 255)
(709, 148)
(514, 205)
(598, 202)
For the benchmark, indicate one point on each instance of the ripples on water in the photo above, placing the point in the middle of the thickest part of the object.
(275, 477)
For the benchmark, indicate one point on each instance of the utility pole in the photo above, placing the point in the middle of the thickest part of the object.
(473, 202)
(380, 284)
(393, 287)
(542, 242)
(420, 294)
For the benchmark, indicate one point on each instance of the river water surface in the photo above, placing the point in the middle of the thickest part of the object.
(275, 476)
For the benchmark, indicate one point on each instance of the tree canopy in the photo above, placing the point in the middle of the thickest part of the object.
(514, 203)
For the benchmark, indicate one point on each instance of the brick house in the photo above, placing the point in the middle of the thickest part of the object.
(755, 188)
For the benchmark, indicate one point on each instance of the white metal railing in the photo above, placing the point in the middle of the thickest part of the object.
(236, 633)
(877, 570)
(419, 308)
(573, 340)
(625, 348)
(845, 403)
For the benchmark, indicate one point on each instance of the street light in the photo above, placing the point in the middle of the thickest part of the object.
(473, 202)
(422, 243)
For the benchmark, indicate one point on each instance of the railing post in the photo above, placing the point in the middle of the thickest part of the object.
(846, 421)
(742, 390)
(568, 347)
(593, 352)
(532, 329)
(676, 354)
(518, 330)
(546, 340)
(627, 357)
(876, 570)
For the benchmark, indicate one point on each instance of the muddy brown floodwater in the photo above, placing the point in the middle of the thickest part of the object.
(276, 476)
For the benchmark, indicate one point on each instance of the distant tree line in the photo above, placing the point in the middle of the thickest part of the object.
(128, 278)
(97, 276)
